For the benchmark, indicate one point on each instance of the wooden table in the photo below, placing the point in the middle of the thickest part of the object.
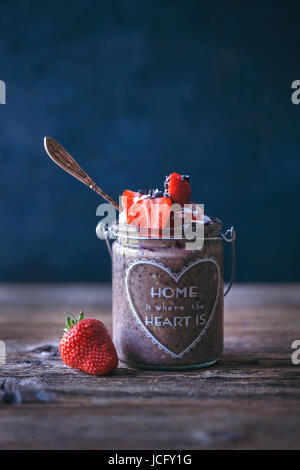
(250, 399)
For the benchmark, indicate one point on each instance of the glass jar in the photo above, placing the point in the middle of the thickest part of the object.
(168, 300)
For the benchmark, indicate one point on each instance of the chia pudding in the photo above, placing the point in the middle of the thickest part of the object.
(167, 300)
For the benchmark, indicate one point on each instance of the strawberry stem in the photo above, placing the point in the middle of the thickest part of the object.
(71, 320)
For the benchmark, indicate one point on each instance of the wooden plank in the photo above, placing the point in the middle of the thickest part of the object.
(95, 294)
(250, 399)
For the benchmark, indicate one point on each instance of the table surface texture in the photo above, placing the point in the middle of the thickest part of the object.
(249, 400)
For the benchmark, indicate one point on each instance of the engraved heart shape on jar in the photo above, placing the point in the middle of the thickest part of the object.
(173, 309)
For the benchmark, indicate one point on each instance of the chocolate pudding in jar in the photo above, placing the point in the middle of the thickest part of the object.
(167, 299)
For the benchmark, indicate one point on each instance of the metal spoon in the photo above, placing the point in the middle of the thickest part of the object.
(63, 159)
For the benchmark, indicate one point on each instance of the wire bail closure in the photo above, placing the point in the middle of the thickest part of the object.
(229, 237)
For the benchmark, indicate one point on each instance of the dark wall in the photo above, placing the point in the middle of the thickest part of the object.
(135, 90)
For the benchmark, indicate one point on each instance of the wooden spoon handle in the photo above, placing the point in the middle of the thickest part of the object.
(63, 159)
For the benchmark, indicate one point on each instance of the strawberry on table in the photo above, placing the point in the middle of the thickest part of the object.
(87, 346)
(179, 188)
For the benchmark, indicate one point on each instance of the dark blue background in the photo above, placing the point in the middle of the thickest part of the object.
(135, 90)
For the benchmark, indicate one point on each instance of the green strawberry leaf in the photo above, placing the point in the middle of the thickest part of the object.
(71, 321)
(81, 315)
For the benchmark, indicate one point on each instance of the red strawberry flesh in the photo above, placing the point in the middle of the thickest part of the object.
(148, 212)
(179, 188)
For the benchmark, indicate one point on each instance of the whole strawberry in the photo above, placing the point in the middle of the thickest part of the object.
(87, 345)
(178, 188)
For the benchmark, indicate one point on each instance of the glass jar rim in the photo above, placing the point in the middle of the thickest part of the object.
(211, 231)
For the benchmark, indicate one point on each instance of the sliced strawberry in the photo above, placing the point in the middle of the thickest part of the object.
(138, 214)
(160, 209)
(151, 213)
(179, 188)
(127, 202)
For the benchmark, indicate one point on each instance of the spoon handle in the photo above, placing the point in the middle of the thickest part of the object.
(63, 159)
